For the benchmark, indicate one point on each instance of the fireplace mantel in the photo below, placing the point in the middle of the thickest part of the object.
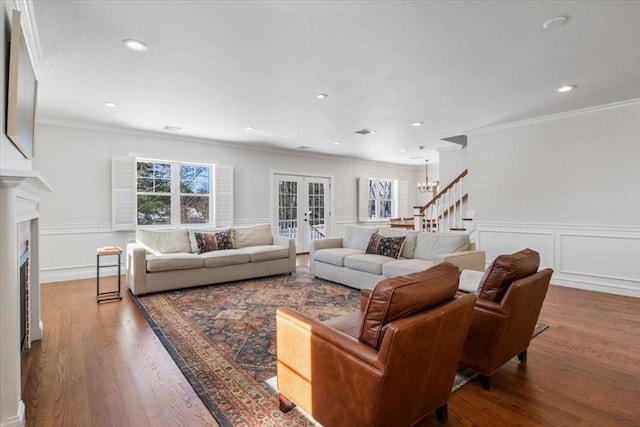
(20, 192)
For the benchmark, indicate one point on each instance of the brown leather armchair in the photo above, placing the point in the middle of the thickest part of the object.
(510, 297)
(392, 363)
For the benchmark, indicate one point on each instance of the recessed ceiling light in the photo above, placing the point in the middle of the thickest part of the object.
(566, 88)
(556, 22)
(136, 45)
(416, 124)
(249, 128)
(403, 150)
(336, 143)
(110, 104)
(322, 96)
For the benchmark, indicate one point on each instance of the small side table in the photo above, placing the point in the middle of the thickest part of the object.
(109, 295)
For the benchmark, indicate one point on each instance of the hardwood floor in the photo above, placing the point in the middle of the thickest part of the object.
(102, 365)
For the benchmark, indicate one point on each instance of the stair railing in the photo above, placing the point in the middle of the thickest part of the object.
(444, 212)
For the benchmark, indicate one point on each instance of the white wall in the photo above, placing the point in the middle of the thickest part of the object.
(566, 186)
(76, 216)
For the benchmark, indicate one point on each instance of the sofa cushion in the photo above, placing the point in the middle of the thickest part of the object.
(357, 237)
(366, 262)
(397, 297)
(428, 245)
(409, 243)
(401, 267)
(266, 252)
(228, 257)
(505, 270)
(334, 256)
(164, 242)
(256, 235)
(174, 261)
(469, 280)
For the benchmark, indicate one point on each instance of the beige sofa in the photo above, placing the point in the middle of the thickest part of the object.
(343, 260)
(165, 260)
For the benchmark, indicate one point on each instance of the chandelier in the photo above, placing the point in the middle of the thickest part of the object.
(427, 186)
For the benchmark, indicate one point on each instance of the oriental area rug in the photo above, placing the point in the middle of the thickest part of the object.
(223, 339)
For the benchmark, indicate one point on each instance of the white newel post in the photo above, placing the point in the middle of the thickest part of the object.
(20, 192)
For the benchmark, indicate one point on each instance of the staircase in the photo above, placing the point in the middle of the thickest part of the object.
(444, 213)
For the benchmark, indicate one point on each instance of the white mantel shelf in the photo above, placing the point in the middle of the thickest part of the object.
(29, 180)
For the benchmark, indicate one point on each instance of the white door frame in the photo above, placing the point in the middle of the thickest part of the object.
(274, 204)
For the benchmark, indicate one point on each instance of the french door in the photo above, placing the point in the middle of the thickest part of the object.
(302, 208)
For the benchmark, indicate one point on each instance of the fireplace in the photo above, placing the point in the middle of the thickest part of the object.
(20, 322)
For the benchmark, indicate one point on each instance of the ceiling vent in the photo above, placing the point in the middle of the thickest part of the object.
(172, 128)
(304, 147)
(364, 131)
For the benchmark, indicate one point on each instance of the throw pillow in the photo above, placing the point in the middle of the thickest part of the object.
(224, 240)
(206, 242)
(391, 246)
(505, 270)
(372, 247)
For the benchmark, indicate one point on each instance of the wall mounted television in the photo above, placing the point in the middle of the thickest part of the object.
(22, 92)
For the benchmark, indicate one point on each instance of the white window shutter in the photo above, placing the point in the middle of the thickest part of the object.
(123, 193)
(363, 199)
(224, 195)
(403, 199)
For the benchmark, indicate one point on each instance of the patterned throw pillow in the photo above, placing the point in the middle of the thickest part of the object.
(391, 246)
(372, 247)
(206, 242)
(387, 246)
(223, 240)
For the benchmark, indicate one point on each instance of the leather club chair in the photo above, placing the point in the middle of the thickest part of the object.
(510, 296)
(389, 364)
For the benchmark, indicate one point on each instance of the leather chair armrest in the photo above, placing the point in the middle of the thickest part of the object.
(307, 327)
(465, 260)
(365, 294)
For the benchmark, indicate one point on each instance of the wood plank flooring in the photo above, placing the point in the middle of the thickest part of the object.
(102, 365)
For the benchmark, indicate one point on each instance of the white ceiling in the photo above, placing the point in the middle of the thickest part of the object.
(214, 68)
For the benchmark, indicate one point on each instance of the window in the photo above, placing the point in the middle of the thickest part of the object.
(381, 198)
(172, 193)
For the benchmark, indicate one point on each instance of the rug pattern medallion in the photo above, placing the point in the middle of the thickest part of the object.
(222, 337)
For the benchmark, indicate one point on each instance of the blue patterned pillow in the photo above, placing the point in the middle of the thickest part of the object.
(391, 246)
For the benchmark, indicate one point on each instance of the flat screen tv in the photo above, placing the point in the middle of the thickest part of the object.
(22, 92)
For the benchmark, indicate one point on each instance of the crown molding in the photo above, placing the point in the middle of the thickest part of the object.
(30, 32)
(551, 117)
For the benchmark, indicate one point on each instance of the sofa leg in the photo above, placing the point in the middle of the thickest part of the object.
(485, 380)
(522, 356)
(442, 414)
(285, 404)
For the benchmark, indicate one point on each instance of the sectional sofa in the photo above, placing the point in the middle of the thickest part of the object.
(165, 260)
(366, 255)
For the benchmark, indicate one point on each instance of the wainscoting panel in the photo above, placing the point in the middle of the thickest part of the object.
(605, 259)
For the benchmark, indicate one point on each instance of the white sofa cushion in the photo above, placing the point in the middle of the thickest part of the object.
(225, 257)
(335, 256)
(368, 263)
(402, 267)
(175, 261)
(428, 245)
(256, 235)
(266, 252)
(357, 237)
(165, 242)
(469, 280)
(409, 242)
